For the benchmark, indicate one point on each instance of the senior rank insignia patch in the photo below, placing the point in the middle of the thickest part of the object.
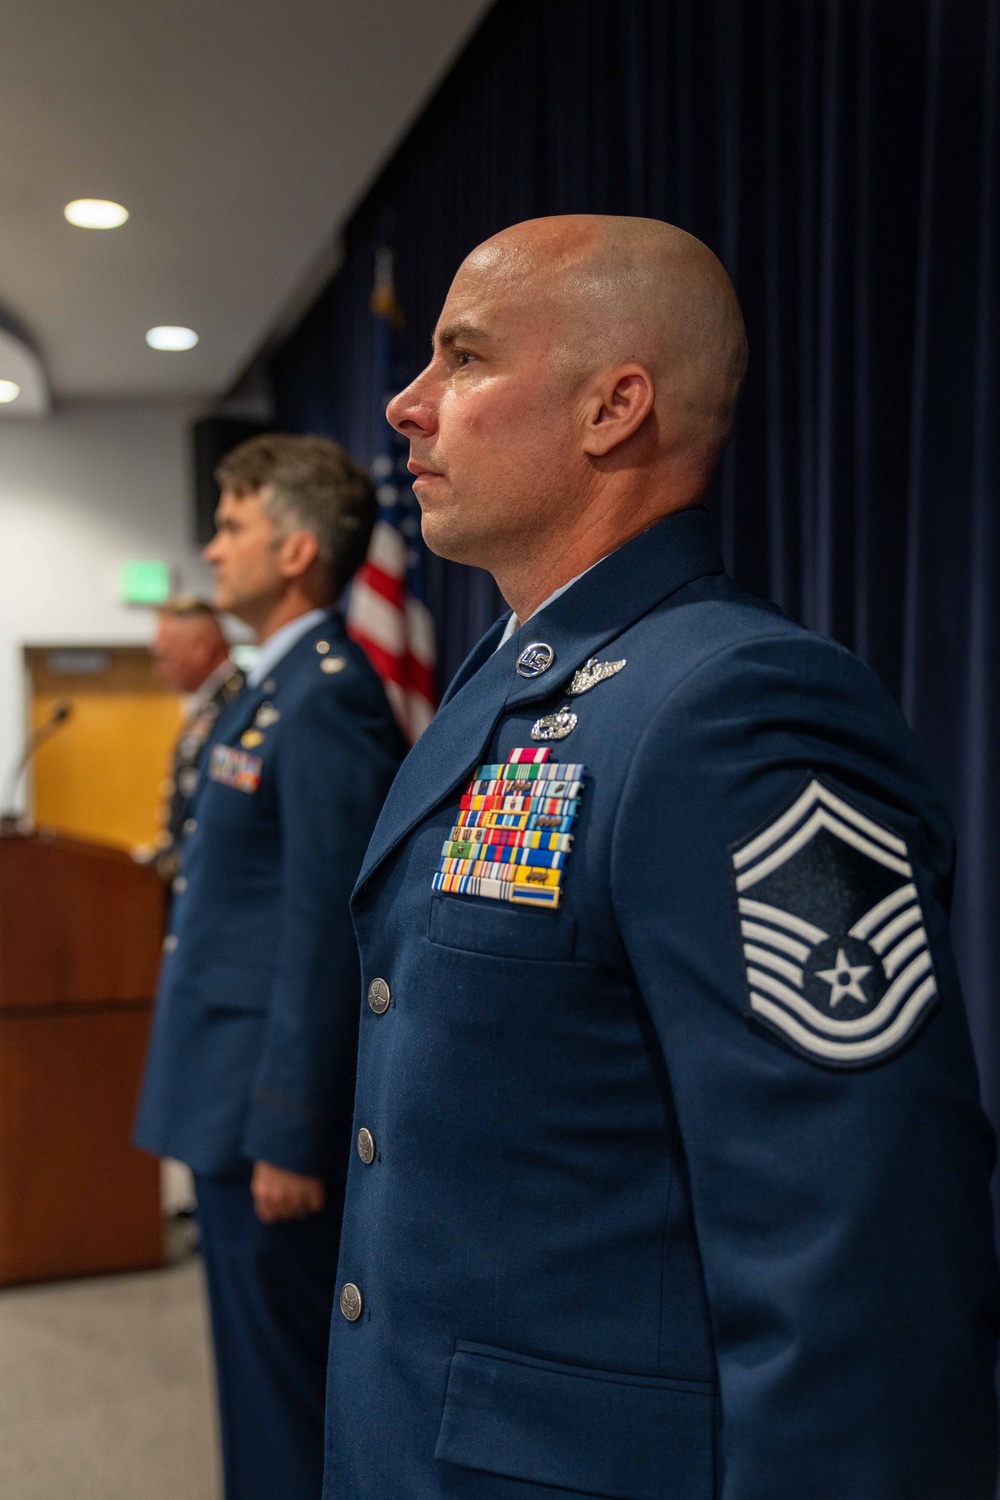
(235, 768)
(513, 832)
(835, 952)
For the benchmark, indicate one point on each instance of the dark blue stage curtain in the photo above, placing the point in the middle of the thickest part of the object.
(841, 157)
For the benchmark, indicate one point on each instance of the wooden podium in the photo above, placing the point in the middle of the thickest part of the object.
(80, 933)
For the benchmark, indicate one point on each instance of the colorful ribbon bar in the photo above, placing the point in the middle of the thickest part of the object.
(503, 854)
(528, 840)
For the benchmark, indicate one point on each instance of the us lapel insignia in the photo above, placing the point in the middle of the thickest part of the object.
(332, 664)
(554, 726)
(251, 738)
(266, 715)
(591, 673)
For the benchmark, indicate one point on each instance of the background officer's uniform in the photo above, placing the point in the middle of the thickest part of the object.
(215, 694)
(678, 1186)
(254, 1040)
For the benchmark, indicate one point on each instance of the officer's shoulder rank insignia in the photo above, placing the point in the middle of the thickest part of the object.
(513, 831)
(835, 953)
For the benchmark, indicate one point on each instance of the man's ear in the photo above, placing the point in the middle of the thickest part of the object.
(297, 553)
(617, 404)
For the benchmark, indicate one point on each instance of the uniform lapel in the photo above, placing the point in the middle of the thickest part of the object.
(599, 607)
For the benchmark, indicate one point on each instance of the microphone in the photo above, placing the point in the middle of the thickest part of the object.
(61, 711)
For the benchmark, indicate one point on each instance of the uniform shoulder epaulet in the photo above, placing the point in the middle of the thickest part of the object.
(331, 662)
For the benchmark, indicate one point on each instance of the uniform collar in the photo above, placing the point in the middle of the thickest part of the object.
(203, 696)
(603, 602)
(281, 642)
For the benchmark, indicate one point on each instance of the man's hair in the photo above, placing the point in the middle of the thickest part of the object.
(187, 607)
(309, 484)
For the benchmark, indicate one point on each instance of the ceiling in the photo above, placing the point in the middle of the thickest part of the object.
(239, 134)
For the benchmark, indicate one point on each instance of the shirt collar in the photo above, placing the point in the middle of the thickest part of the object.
(281, 642)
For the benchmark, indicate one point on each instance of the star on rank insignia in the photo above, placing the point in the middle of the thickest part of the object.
(835, 953)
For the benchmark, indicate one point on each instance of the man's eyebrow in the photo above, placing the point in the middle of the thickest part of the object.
(459, 333)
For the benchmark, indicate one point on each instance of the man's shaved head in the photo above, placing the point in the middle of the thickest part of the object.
(633, 290)
(584, 383)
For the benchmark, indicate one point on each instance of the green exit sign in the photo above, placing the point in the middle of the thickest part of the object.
(144, 582)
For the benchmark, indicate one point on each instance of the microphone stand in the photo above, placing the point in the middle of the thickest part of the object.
(10, 819)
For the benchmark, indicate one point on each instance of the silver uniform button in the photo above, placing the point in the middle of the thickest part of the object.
(190, 824)
(351, 1301)
(269, 685)
(170, 943)
(366, 1146)
(379, 995)
(535, 659)
(180, 885)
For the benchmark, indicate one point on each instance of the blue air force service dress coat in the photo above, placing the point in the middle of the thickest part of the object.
(671, 1176)
(254, 1038)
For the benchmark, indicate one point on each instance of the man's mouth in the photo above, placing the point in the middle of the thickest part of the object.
(421, 471)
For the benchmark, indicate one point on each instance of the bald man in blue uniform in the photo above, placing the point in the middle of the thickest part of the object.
(251, 1067)
(671, 1179)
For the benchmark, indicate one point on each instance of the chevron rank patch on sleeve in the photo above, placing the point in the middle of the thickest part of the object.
(512, 835)
(834, 949)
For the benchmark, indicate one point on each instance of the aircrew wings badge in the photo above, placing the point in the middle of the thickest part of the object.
(835, 954)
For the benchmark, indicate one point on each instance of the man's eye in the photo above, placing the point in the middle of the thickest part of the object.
(462, 357)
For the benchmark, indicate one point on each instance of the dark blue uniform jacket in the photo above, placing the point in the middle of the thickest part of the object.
(679, 1188)
(254, 1037)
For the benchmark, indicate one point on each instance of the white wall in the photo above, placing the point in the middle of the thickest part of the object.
(81, 492)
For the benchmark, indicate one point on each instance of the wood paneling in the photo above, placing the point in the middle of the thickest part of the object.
(100, 776)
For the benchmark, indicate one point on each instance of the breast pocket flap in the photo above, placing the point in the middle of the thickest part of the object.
(625, 1437)
(506, 931)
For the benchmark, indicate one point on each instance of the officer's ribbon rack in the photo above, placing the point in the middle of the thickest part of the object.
(514, 831)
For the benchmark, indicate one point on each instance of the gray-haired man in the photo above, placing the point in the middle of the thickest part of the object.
(251, 1067)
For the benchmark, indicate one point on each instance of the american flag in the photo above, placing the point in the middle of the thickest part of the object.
(387, 611)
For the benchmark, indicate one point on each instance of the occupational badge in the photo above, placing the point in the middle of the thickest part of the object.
(835, 953)
(591, 673)
(554, 726)
(251, 738)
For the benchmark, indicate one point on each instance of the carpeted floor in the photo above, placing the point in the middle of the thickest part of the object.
(106, 1389)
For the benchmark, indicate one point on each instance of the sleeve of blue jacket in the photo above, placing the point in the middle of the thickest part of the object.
(334, 770)
(841, 1202)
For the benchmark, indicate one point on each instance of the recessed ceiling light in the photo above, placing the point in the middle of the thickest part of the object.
(95, 213)
(168, 337)
(9, 391)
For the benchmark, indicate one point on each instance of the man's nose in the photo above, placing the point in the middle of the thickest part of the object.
(414, 410)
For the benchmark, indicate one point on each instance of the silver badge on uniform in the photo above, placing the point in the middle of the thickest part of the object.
(554, 726)
(535, 659)
(266, 715)
(835, 953)
(591, 673)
